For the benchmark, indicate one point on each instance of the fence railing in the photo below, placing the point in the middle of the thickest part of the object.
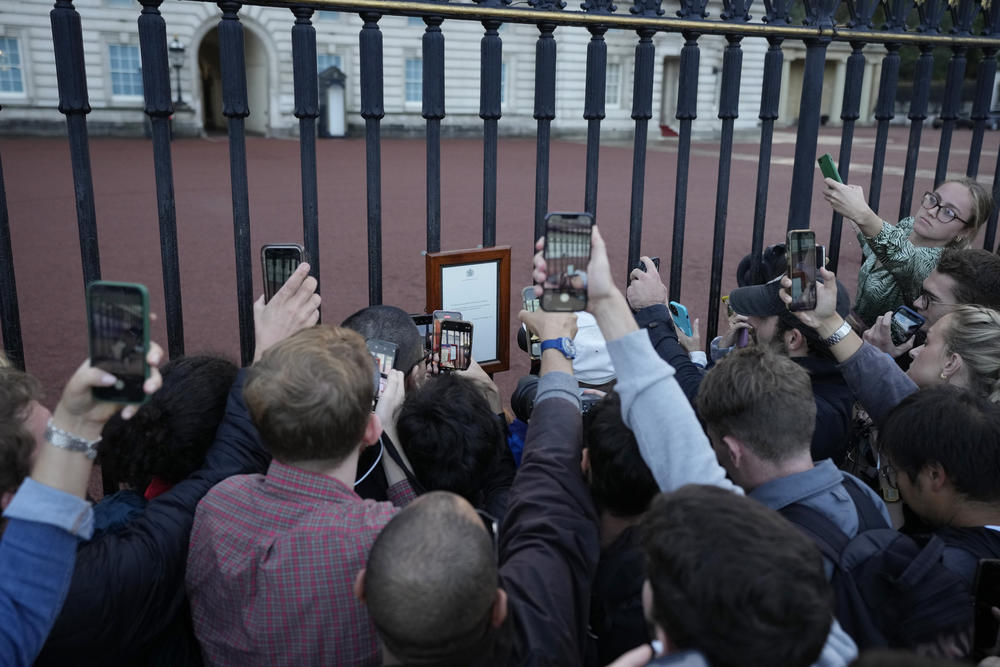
(902, 23)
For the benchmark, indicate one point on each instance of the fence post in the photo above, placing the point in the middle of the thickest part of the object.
(642, 111)
(775, 14)
(963, 12)
(490, 62)
(687, 111)
(71, 76)
(819, 13)
(433, 113)
(10, 316)
(156, 90)
(236, 109)
(545, 105)
(372, 110)
(593, 103)
(861, 17)
(735, 11)
(306, 81)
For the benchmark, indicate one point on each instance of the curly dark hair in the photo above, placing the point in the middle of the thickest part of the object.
(169, 435)
(17, 391)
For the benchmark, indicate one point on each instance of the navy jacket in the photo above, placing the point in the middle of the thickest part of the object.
(128, 587)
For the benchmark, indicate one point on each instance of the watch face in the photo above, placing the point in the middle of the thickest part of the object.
(568, 348)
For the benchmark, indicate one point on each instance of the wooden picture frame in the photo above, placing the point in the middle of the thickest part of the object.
(458, 279)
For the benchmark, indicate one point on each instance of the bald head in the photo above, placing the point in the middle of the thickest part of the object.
(431, 581)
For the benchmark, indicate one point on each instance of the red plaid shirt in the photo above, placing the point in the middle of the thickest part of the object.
(271, 569)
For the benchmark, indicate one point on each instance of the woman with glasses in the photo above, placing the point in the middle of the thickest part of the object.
(897, 258)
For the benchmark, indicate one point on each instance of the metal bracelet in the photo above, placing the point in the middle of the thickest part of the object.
(66, 440)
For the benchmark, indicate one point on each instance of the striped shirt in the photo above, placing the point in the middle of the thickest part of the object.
(271, 569)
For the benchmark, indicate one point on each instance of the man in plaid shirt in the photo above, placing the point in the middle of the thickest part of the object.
(273, 557)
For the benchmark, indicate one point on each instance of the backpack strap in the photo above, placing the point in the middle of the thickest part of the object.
(830, 539)
(869, 516)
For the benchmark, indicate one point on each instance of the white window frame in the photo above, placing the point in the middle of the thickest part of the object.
(505, 70)
(116, 97)
(21, 68)
(339, 65)
(614, 102)
(418, 85)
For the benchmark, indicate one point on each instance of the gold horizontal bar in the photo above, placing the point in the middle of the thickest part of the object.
(624, 21)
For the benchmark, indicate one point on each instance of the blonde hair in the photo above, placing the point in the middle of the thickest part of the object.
(982, 204)
(974, 335)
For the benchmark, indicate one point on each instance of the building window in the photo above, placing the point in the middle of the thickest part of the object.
(323, 15)
(613, 85)
(11, 79)
(503, 83)
(414, 80)
(126, 70)
(415, 20)
(122, 3)
(327, 60)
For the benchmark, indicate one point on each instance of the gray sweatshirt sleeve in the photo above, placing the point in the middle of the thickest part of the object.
(654, 406)
(876, 381)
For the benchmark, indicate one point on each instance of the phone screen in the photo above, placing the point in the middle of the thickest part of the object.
(456, 345)
(904, 324)
(279, 262)
(802, 269)
(528, 299)
(567, 253)
(987, 595)
(118, 319)
(384, 354)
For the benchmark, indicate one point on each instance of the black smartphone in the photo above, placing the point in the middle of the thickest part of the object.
(820, 257)
(802, 268)
(567, 253)
(656, 263)
(987, 596)
(425, 325)
(905, 322)
(118, 324)
(384, 354)
(828, 168)
(456, 345)
(279, 261)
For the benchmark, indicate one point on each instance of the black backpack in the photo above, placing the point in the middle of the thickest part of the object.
(890, 589)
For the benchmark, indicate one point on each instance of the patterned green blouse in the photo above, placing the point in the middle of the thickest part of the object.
(892, 270)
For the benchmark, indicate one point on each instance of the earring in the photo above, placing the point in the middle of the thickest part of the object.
(943, 376)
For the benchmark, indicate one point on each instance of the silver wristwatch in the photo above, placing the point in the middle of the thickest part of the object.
(66, 440)
(838, 335)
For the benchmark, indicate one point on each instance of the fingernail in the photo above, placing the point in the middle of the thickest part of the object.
(108, 378)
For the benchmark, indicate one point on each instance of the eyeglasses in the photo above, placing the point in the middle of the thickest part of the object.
(890, 475)
(944, 213)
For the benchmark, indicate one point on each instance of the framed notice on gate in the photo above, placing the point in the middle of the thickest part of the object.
(475, 283)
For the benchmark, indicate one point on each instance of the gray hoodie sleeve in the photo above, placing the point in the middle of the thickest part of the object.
(654, 406)
(876, 381)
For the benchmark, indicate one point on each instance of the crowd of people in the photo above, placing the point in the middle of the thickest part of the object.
(805, 491)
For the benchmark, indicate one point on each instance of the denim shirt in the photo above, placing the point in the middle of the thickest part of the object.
(37, 555)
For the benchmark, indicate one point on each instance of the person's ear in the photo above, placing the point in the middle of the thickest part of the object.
(794, 340)
(8, 496)
(373, 431)
(585, 463)
(359, 586)
(499, 612)
(952, 366)
(936, 475)
(735, 448)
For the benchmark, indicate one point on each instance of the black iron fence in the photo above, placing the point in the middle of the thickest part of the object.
(901, 23)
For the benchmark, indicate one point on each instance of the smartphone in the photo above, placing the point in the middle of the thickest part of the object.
(424, 324)
(456, 345)
(802, 268)
(567, 253)
(905, 322)
(820, 257)
(437, 317)
(828, 168)
(279, 261)
(680, 316)
(528, 299)
(656, 263)
(384, 354)
(987, 595)
(118, 324)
